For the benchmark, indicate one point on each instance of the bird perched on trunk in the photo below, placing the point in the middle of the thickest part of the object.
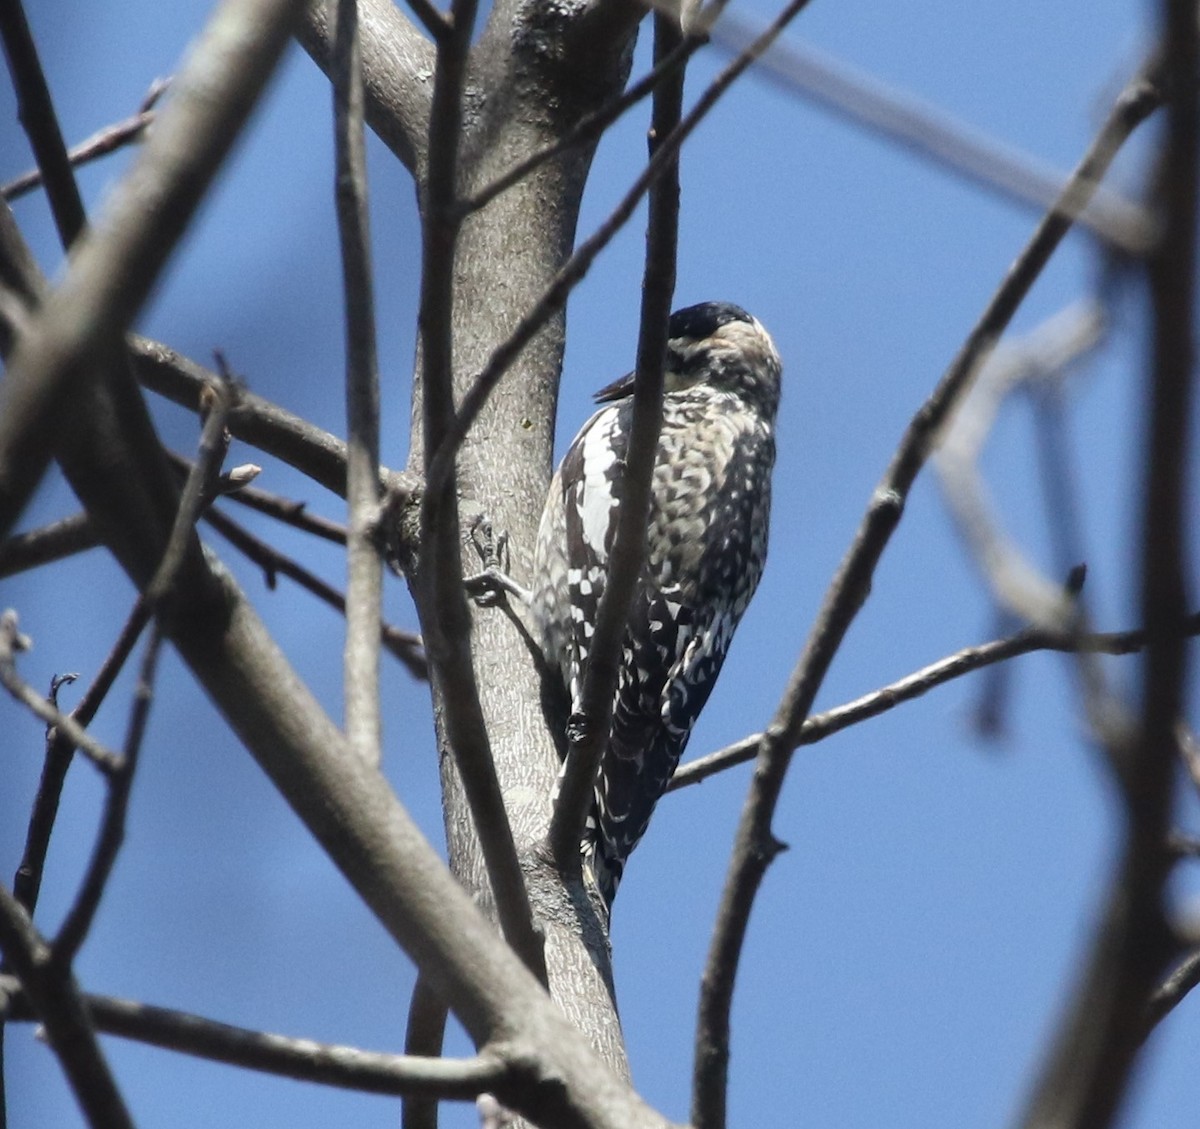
(706, 544)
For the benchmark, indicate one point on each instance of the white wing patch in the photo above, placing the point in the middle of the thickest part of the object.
(597, 504)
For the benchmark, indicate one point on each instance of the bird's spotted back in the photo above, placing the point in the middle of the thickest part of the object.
(706, 545)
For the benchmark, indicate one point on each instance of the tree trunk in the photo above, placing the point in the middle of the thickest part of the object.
(519, 100)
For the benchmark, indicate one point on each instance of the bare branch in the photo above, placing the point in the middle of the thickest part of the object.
(59, 753)
(303, 1059)
(41, 123)
(1015, 583)
(588, 731)
(291, 512)
(397, 63)
(932, 134)
(364, 589)
(424, 1036)
(100, 144)
(112, 829)
(441, 596)
(254, 420)
(27, 882)
(577, 266)
(589, 128)
(113, 269)
(966, 661)
(56, 1001)
(63, 538)
(12, 641)
(1087, 1071)
(755, 845)
(1183, 979)
(76, 534)
(403, 645)
(214, 443)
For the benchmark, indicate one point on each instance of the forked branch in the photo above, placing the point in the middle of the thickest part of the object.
(755, 845)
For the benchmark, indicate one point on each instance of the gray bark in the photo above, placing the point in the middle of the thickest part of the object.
(522, 97)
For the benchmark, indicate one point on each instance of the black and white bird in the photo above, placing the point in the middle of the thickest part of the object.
(706, 544)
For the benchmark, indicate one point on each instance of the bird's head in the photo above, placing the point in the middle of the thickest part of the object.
(719, 344)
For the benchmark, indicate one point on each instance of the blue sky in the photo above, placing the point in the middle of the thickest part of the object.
(909, 954)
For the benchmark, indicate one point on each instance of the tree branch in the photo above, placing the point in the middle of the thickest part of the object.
(755, 845)
(55, 1000)
(326, 1064)
(587, 129)
(100, 144)
(11, 641)
(424, 1036)
(577, 266)
(588, 731)
(113, 269)
(397, 63)
(60, 751)
(441, 596)
(404, 645)
(267, 426)
(36, 111)
(53, 542)
(1088, 1068)
(966, 661)
(930, 133)
(364, 587)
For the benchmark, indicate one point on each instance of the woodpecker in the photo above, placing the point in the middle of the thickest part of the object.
(706, 545)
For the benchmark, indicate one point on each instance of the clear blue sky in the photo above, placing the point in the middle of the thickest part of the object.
(909, 954)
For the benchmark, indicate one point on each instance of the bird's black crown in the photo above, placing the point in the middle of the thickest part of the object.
(704, 319)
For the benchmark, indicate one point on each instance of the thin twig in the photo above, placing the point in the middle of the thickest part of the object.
(589, 729)
(405, 646)
(1092, 1058)
(59, 754)
(303, 1059)
(100, 144)
(53, 542)
(574, 269)
(290, 511)
(11, 641)
(113, 270)
(431, 19)
(27, 881)
(1183, 978)
(424, 1036)
(58, 1005)
(932, 134)
(36, 111)
(966, 661)
(364, 586)
(214, 442)
(587, 129)
(441, 596)
(255, 420)
(79, 919)
(755, 845)
(196, 493)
